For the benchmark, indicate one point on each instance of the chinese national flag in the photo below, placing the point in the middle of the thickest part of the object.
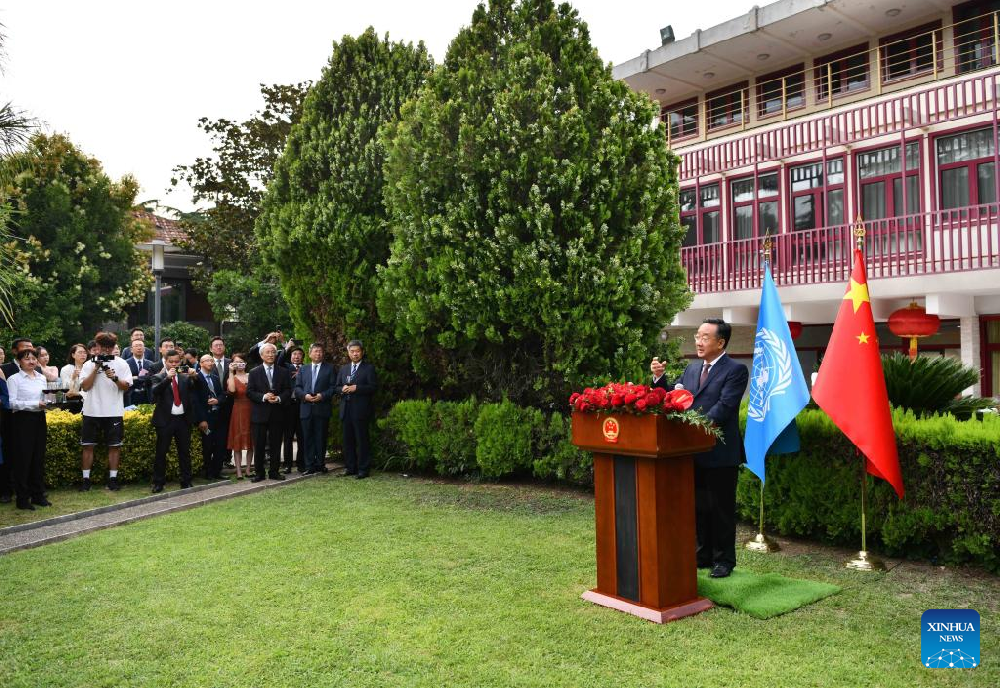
(851, 386)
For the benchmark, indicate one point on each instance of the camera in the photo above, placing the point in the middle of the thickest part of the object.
(183, 368)
(102, 358)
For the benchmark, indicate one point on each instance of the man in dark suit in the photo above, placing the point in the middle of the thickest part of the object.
(175, 411)
(165, 346)
(208, 396)
(314, 388)
(293, 424)
(718, 384)
(142, 372)
(217, 345)
(269, 387)
(356, 384)
(135, 335)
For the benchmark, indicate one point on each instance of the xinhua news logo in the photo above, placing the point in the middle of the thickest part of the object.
(949, 639)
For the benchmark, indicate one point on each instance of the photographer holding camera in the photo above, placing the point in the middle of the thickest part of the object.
(175, 411)
(105, 379)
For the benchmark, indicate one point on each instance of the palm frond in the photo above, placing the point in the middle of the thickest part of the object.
(931, 385)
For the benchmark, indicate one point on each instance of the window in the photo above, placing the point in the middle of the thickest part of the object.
(726, 106)
(817, 199)
(682, 119)
(967, 174)
(881, 175)
(989, 325)
(700, 214)
(689, 216)
(709, 213)
(974, 35)
(791, 82)
(910, 53)
(843, 72)
(762, 205)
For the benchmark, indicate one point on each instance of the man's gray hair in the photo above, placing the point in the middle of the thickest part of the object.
(355, 342)
(269, 344)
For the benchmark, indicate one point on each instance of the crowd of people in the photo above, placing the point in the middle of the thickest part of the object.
(254, 410)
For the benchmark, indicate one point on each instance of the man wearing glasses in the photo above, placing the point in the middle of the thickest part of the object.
(718, 384)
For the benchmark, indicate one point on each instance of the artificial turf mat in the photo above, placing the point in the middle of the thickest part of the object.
(762, 595)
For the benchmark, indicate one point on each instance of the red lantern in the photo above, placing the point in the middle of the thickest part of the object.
(912, 323)
(795, 328)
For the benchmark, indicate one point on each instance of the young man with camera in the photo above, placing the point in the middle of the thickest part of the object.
(105, 379)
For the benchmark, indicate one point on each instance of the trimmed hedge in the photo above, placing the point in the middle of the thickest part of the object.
(951, 473)
(62, 456)
(951, 470)
(473, 439)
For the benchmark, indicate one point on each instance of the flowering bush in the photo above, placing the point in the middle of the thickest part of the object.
(630, 398)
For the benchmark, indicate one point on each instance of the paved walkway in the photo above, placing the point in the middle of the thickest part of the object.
(50, 530)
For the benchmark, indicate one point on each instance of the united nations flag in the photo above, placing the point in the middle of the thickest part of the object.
(777, 387)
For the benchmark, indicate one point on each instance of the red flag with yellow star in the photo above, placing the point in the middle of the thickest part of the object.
(850, 386)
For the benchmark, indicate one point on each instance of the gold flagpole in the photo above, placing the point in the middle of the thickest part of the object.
(761, 542)
(863, 561)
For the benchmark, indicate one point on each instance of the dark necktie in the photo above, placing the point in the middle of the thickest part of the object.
(704, 375)
(267, 369)
(211, 385)
(315, 373)
(354, 370)
(177, 391)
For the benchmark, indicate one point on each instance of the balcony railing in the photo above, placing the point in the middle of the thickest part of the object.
(940, 241)
(943, 102)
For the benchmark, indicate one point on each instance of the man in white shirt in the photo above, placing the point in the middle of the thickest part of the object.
(105, 378)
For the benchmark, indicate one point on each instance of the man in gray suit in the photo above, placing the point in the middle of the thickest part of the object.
(314, 388)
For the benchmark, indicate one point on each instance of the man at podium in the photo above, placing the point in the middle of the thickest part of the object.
(718, 384)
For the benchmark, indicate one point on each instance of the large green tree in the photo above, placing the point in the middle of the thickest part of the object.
(75, 242)
(534, 209)
(323, 225)
(228, 187)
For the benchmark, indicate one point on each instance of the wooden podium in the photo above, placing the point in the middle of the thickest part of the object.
(644, 508)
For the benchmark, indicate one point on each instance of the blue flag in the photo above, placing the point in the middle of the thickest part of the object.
(777, 387)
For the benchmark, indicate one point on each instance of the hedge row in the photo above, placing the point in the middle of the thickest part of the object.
(951, 473)
(62, 456)
(491, 440)
(951, 470)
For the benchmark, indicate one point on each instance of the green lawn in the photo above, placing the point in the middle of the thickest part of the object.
(69, 501)
(390, 581)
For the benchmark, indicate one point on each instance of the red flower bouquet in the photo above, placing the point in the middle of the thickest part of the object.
(626, 397)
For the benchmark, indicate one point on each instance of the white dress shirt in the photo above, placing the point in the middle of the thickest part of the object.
(26, 391)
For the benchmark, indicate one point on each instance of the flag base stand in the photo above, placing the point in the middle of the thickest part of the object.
(865, 562)
(762, 543)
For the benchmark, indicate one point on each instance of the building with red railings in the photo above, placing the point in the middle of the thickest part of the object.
(801, 116)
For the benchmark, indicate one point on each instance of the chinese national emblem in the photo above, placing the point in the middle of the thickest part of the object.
(611, 430)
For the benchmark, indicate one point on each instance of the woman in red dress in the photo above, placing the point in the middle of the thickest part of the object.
(240, 434)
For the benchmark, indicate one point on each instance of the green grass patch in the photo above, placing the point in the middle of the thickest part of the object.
(762, 596)
(396, 582)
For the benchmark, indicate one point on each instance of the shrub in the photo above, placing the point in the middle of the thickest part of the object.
(558, 458)
(184, 335)
(412, 431)
(62, 457)
(454, 439)
(429, 436)
(951, 471)
(931, 385)
(504, 435)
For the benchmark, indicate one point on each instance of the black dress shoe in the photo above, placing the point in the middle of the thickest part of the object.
(310, 471)
(27, 506)
(286, 470)
(257, 479)
(361, 476)
(157, 489)
(40, 501)
(324, 469)
(720, 571)
(276, 476)
(5, 497)
(185, 486)
(350, 472)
